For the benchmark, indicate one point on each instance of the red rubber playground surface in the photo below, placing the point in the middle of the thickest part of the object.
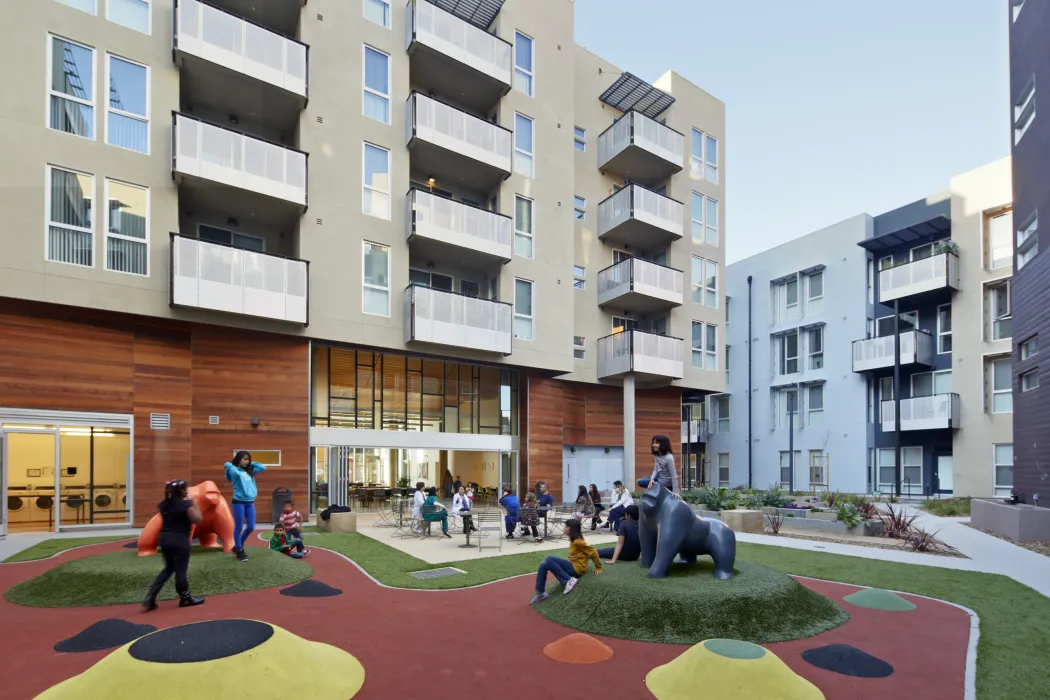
(480, 642)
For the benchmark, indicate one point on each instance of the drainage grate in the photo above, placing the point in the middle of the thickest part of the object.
(436, 573)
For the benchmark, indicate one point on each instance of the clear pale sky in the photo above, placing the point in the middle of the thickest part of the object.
(833, 108)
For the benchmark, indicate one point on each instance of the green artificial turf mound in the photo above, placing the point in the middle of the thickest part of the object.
(122, 577)
(757, 605)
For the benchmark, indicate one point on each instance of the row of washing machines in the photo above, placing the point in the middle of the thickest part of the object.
(26, 504)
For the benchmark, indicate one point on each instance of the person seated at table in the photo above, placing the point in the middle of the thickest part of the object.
(596, 499)
(529, 516)
(567, 571)
(511, 504)
(417, 507)
(461, 506)
(628, 547)
(281, 542)
(545, 501)
(621, 499)
(435, 511)
(584, 507)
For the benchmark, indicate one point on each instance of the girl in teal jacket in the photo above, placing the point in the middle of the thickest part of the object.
(241, 473)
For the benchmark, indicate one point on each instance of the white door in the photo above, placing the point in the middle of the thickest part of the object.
(945, 473)
(570, 479)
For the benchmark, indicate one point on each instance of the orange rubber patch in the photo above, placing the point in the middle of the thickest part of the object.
(578, 648)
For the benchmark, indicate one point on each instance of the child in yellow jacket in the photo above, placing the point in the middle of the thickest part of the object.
(567, 571)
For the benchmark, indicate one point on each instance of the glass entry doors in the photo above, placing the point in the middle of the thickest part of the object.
(29, 481)
(508, 471)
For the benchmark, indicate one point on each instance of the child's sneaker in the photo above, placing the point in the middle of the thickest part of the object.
(569, 585)
(539, 598)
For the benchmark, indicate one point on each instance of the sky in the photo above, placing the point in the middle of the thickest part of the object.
(832, 108)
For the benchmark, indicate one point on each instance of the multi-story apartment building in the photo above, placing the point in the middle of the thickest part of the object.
(1030, 139)
(370, 242)
(928, 283)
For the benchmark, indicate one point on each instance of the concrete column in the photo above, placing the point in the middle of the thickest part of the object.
(628, 432)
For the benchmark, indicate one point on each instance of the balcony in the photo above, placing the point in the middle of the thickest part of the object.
(647, 355)
(919, 277)
(877, 353)
(449, 231)
(234, 66)
(449, 143)
(450, 56)
(695, 429)
(221, 278)
(936, 412)
(640, 149)
(281, 16)
(640, 218)
(639, 287)
(447, 318)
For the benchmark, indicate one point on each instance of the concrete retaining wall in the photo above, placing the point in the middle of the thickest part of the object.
(1021, 522)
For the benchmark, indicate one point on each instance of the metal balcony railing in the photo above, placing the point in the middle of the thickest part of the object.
(441, 219)
(634, 275)
(641, 352)
(664, 217)
(929, 274)
(437, 316)
(877, 353)
(934, 412)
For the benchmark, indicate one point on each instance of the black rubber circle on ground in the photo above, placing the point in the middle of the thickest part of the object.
(104, 634)
(134, 544)
(311, 589)
(847, 660)
(201, 641)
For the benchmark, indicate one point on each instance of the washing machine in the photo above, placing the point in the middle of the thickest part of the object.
(76, 507)
(41, 504)
(19, 506)
(107, 502)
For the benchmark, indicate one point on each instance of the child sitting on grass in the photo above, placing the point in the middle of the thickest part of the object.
(281, 542)
(567, 571)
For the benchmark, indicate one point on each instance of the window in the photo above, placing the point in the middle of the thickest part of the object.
(1017, 5)
(579, 207)
(815, 347)
(1002, 318)
(267, 458)
(619, 325)
(815, 294)
(786, 465)
(711, 283)
(376, 196)
(1028, 240)
(1000, 240)
(1003, 459)
(377, 85)
(727, 360)
(70, 226)
(523, 145)
(704, 209)
(1030, 380)
(705, 346)
(815, 405)
(377, 11)
(728, 299)
(579, 277)
(921, 252)
(703, 161)
(930, 383)
(697, 214)
(375, 296)
(944, 328)
(579, 344)
(127, 115)
(127, 228)
(1030, 348)
(71, 103)
(711, 153)
(522, 226)
(885, 263)
(722, 414)
(244, 241)
(711, 218)
(791, 294)
(787, 346)
(133, 14)
(723, 470)
(886, 466)
(469, 288)
(579, 138)
(523, 59)
(523, 309)
(911, 472)
(85, 5)
(433, 280)
(1024, 110)
(816, 468)
(909, 320)
(698, 279)
(1002, 395)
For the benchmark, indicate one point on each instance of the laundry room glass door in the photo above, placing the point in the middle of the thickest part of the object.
(3, 486)
(29, 480)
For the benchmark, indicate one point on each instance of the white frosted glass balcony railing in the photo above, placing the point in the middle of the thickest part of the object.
(695, 429)
(658, 282)
(934, 412)
(642, 353)
(637, 131)
(877, 353)
(459, 40)
(937, 272)
(640, 205)
(446, 220)
(215, 153)
(455, 130)
(221, 278)
(436, 316)
(207, 32)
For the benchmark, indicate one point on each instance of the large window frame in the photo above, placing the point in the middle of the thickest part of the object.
(524, 231)
(723, 470)
(382, 6)
(77, 5)
(524, 154)
(372, 194)
(999, 239)
(53, 95)
(149, 16)
(1003, 468)
(117, 237)
(521, 318)
(815, 348)
(525, 76)
(374, 287)
(579, 138)
(51, 222)
(703, 156)
(1027, 240)
(815, 405)
(379, 98)
(119, 112)
(1001, 384)
(785, 358)
(1000, 309)
(944, 329)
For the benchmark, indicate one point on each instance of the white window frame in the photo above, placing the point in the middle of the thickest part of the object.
(386, 23)
(993, 288)
(1000, 488)
(149, 18)
(531, 318)
(788, 464)
(722, 418)
(710, 290)
(696, 349)
(990, 260)
(51, 92)
(520, 153)
(1029, 381)
(107, 234)
(696, 218)
(906, 465)
(579, 277)
(814, 303)
(941, 333)
(723, 483)
(696, 162)
(711, 230)
(1029, 348)
(579, 205)
(365, 187)
(521, 233)
(782, 357)
(579, 347)
(710, 349)
(711, 164)
(49, 222)
(933, 376)
(812, 357)
(814, 416)
(367, 285)
(430, 279)
(530, 75)
(128, 115)
(925, 246)
(1008, 391)
(885, 263)
(94, 8)
(579, 138)
(365, 90)
(233, 232)
(1024, 110)
(1027, 246)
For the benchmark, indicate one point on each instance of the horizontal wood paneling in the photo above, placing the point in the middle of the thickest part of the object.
(657, 412)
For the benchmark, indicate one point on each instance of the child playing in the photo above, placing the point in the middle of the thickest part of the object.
(292, 521)
(281, 542)
(567, 571)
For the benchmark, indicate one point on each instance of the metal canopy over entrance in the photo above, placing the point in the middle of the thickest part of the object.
(480, 13)
(630, 92)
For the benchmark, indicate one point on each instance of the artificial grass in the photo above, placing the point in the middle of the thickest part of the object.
(757, 605)
(49, 548)
(122, 577)
(948, 507)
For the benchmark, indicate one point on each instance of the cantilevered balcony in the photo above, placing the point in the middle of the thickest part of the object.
(442, 228)
(448, 143)
(648, 355)
(447, 318)
(234, 66)
(919, 277)
(694, 430)
(639, 287)
(640, 218)
(640, 149)
(877, 353)
(450, 56)
(936, 412)
(222, 278)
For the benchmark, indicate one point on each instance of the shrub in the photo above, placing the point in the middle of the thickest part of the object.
(952, 507)
(753, 501)
(919, 540)
(830, 497)
(849, 515)
(722, 499)
(774, 523)
(896, 523)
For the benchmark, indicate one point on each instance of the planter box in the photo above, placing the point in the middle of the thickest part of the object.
(869, 528)
(1021, 522)
(817, 515)
(338, 522)
(744, 520)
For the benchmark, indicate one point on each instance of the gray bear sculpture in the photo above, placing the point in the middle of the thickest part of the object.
(668, 527)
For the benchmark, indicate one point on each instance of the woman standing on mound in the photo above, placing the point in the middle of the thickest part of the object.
(178, 514)
(241, 473)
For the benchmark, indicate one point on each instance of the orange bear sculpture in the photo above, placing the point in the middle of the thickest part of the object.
(217, 523)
